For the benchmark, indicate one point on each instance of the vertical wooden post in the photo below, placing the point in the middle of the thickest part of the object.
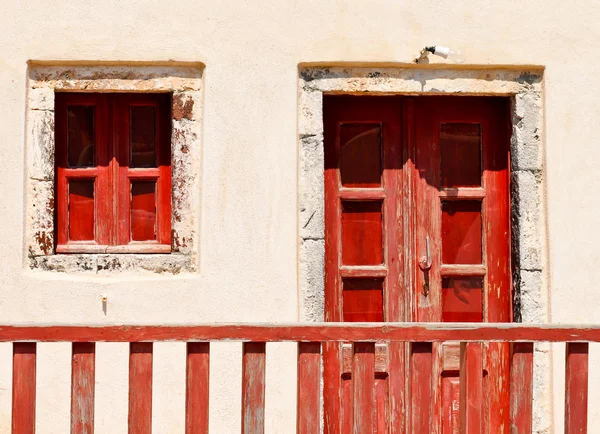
(253, 388)
(471, 388)
(521, 388)
(83, 370)
(309, 384)
(363, 379)
(23, 394)
(197, 387)
(140, 388)
(421, 366)
(397, 382)
(576, 388)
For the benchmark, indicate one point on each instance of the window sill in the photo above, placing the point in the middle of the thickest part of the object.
(103, 249)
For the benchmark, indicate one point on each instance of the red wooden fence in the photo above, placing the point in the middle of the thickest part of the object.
(309, 338)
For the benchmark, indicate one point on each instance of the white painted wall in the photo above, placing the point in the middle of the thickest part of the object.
(248, 249)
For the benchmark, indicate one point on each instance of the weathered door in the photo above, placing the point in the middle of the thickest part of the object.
(416, 229)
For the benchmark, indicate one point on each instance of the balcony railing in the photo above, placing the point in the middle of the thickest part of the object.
(309, 338)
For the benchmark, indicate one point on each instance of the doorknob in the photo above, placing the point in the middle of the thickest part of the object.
(425, 261)
(425, 264)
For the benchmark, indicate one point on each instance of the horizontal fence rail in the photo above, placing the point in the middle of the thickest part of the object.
(310, 338)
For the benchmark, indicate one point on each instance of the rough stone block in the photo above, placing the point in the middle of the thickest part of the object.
(311, 113)
(311, 278)
(534, 298)
(526, 141)
(41, 140)
(527, 207)
(40, 220)
(311, 187)
(187, 105)
(41, 98)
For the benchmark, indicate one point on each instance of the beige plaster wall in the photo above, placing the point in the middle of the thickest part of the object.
(249, 212)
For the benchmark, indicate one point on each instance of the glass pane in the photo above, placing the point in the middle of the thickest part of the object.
(81, 210)
(461, 232)
(363, 300)
(81, 136)
(143, 211)
(460, 147)
(462, 299)
(360, 155)
(361, 233)
(143, 137)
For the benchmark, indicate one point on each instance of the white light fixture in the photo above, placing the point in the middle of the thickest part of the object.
(455, 55)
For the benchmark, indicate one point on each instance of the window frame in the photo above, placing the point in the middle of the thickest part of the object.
(112, 174)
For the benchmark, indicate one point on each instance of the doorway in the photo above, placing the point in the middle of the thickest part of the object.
(416, 229)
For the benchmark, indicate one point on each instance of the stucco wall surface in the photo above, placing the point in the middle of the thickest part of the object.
(248, 226)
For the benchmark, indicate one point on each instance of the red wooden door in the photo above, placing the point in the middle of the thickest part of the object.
(416, 218)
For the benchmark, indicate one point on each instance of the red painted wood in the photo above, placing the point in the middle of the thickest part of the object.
(362, 171)
(450, 405)
(462, 299)
(576, 388)
(362, 233)
(143, 211)
(421, 368)
(360, 156)
(253, 388)
(309, 388)
(461, 232)
(23, 393)
(140, 388)
(521, 388)
(363, 300)
(83, 373)
(110, 172)
(471, 388)
(363, 379)
(460, 154)
(315, 332)
(197, 387)
(81, 210)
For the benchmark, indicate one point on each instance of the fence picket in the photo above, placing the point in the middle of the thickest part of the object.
(83, 367)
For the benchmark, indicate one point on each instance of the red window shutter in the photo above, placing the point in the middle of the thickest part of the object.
(113, 173)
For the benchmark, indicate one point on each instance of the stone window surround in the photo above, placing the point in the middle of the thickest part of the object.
(524, 86)
(184, 82)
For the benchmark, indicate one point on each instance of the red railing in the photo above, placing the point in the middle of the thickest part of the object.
(309, 338)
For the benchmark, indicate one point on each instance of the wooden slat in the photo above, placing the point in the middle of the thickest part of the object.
(197, 390)
(253, 388)
(140, 388)
(576, 388)
(323, 332)
(23, 394)
(382, 356)
(471, 388)
(462, 193)
(309, 385)
(521, 388)
(448, 270)
(421, 367)
(363, 271)
(83, 373)
(361, 194)
(363, 379)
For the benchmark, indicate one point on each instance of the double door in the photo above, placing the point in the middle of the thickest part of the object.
(416, 229)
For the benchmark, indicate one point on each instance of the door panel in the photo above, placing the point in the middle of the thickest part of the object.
(462, 209)
(362, 167)
(416, 229)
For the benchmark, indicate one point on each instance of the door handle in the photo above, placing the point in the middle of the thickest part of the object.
(425, 261)
(425, 264)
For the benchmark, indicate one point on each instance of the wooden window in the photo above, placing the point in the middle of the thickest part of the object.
(113, 173)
